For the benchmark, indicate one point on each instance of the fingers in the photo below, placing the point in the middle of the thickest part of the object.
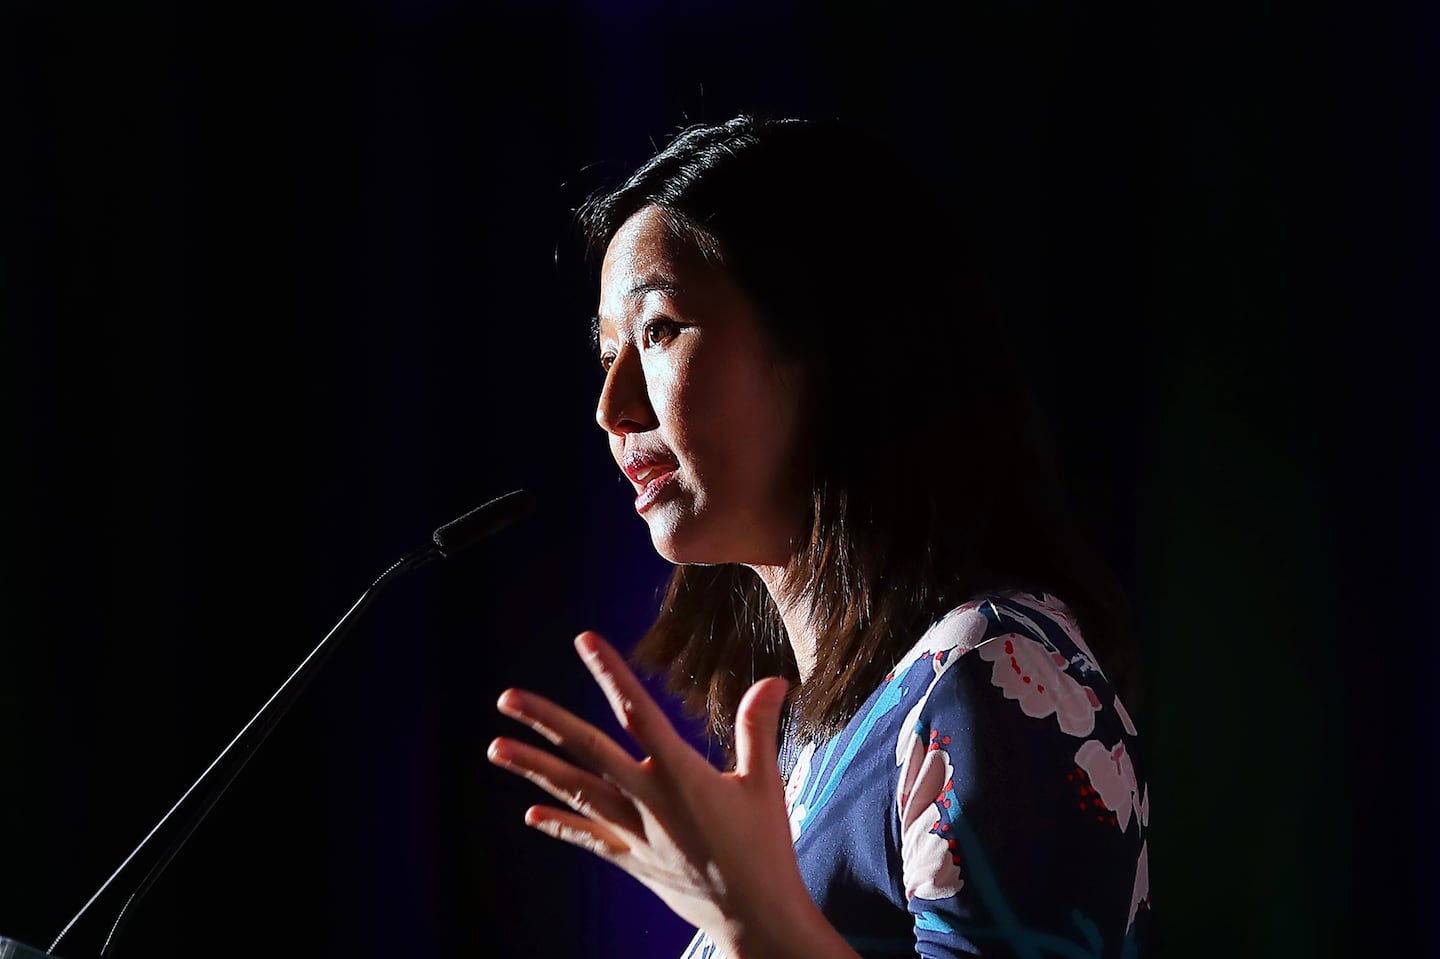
(757, 726)
(583, 792)
(590, 747)
(577, 830)
(631, 703)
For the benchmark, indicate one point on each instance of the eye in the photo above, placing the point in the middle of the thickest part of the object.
(659, 330)
(607, 360)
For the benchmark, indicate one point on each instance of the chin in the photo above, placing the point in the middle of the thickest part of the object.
(680, 550)
(687, 543)
(708, 542)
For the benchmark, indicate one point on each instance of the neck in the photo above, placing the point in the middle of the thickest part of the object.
(794, 606)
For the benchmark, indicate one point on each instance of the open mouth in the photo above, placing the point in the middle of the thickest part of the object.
(653, 472)
(642, 467)
(654, 481)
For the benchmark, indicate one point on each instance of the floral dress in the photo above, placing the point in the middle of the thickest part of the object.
(986, 800)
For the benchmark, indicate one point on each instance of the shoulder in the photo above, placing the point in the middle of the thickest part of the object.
(955, 633)
(1019, 723)
(1006, 689)
(1023, 648)
(1044, 618)
(1041, 619)
(1015, 779)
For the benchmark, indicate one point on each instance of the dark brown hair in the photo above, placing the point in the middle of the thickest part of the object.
(933, 478)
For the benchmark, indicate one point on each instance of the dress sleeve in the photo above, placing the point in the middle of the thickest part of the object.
(1021, 819)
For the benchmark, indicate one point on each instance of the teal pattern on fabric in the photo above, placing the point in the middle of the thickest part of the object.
(1026, 943)
(815, 781)
(986, 799)
(890, 697)
(932, 922)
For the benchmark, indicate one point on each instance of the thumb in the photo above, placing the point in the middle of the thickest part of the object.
(757, 726)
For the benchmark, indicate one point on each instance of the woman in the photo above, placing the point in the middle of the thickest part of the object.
(877, 602)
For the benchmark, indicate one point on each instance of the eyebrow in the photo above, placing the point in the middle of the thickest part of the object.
(656, 284)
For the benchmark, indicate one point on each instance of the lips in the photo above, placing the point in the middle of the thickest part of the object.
(643, 468)
(651, 472)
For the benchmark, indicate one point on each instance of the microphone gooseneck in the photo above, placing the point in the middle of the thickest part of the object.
(191, 809)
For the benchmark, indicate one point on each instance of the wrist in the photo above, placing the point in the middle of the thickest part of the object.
(798, 932)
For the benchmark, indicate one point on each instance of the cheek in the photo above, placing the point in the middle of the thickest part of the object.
(744, 425)
(678, 400)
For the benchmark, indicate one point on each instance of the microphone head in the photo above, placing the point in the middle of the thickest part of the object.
(482, 521)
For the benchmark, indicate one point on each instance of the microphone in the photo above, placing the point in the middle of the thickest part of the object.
(482, 522)
(192, 807)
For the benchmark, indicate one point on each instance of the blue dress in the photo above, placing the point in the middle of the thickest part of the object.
(986, 799)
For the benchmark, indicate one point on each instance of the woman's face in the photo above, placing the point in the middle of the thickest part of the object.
(701, 419)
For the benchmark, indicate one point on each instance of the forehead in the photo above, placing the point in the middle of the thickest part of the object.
(647, 256)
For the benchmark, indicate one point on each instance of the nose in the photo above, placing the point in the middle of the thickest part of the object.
(624, 405)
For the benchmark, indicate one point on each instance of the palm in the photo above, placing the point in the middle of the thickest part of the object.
(714, 846)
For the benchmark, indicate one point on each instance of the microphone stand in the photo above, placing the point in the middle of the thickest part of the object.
(192, 807)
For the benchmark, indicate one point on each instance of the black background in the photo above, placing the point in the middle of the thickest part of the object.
(285, 286)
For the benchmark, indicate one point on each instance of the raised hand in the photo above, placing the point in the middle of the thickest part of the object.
(715, 846)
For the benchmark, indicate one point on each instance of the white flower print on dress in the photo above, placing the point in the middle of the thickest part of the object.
(1060, 614)
(1125, 720)
(955, 633)
(1033, 674)
(930, 865)
(1111, 777)
(1055, 611)
(794, 786)
(1141, 892)
(909, 746)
